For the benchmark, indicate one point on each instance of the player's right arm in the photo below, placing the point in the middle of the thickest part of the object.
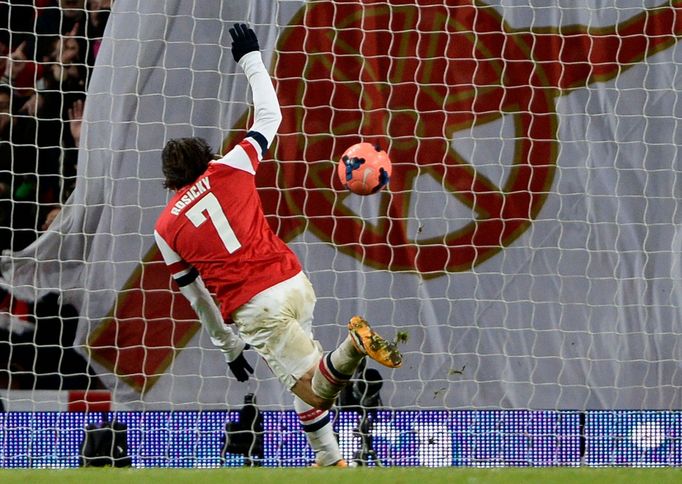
(246, 51)
(195, 291)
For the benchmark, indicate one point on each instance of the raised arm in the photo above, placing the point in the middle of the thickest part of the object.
(246, 52)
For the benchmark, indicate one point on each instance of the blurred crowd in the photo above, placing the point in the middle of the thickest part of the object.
(47, 51)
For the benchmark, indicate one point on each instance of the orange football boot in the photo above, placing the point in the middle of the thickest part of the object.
(368, 342)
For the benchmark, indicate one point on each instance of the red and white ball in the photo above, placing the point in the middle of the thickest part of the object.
(364, 168)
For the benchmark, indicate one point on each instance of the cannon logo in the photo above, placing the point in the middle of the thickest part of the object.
(409, 77)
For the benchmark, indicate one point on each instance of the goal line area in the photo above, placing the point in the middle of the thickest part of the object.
(372, 438)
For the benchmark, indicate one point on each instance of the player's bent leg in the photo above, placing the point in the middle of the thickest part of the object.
(335, 369)
(327, 381)
(288, 350)
(304, 391)
(276, 323)
(293, 357)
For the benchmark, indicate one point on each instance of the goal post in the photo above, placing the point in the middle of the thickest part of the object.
(526, 251)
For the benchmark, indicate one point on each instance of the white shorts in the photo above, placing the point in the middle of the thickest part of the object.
(277, 323)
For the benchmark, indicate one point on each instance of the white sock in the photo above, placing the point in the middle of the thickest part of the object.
(318, 429)
(346, 358)
(335, 369)
(327, 381)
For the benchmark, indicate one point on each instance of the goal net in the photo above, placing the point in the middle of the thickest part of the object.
(526, 251)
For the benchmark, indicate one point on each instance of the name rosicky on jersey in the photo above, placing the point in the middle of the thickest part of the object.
(192, 194)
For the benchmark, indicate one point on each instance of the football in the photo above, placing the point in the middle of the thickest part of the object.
(364, 168)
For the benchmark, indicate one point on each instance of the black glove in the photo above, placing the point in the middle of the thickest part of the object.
(239, 367)
(244, 40)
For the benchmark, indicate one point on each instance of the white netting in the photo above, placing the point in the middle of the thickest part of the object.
(527, 245)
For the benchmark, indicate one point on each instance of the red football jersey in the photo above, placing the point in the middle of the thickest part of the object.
(217, 226)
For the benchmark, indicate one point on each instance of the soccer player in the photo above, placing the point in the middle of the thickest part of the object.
(215, 240)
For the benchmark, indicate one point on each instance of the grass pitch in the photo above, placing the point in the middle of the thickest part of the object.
(395, 475)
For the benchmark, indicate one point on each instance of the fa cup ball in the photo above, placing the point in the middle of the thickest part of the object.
(364, 168)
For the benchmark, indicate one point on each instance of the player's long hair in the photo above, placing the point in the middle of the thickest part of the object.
(183, 160)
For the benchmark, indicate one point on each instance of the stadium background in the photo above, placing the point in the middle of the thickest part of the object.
(528, 245)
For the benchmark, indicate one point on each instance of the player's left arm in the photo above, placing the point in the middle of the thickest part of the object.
(268, 116)
(193, 288)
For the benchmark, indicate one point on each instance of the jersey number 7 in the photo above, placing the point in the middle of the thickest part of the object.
(210, 205)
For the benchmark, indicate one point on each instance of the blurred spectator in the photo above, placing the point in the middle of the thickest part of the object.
(67, 66)
(50, 216)
(5, 113)
(4, 52)
(76, 120)
(57, 17)
(47, 51)
(71, 144)
(20, 71)
(5, 167)
(17, 179)
(99, 14)
(17, 17)
(37, 346)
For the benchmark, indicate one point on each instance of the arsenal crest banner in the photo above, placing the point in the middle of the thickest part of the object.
(527, 247)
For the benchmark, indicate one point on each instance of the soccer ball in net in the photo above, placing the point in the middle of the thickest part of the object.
(364, 168)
